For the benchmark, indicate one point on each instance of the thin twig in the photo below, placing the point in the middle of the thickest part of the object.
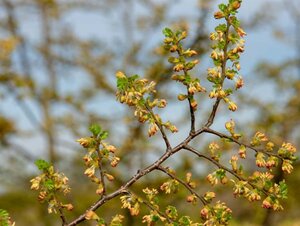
(152, 207)
(221, 135)
(223, 76)
(161, 129)
(62, 217)
(219, 165)
(101, 170)
(201, 198)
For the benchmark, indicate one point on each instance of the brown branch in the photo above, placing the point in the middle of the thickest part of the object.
(201, 198)
(62, 217)
(192, 113)
(219, 165)
(221, 135)
(136, 177)
(152, 208)
(130, 182)
(223, 75)
(213, 113)
(101, 170)
(161, 129)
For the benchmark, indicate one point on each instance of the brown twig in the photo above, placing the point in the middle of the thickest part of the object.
(101, 170)
(201, 198)
(152, 207)
(136, 177)
(221, 135)
(161, 129)
(223, 75)
(219, 165)
(62, 217)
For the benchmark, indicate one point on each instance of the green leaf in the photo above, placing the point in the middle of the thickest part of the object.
(49, 184)
(283, 189)
(172, 212)
(155, 218)
(221, 27)
(122, 83)
(173, 60)
(223, 7)
(103, 135)
(133, 78)
(4, 218)
(185, 221)
(95, 129)
(168, 32)
(220, 173)
(42, 164)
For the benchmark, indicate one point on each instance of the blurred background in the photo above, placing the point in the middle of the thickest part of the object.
(58, 60)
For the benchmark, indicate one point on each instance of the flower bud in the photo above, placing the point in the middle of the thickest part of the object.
(111, 148)
(214, 55)
(90, 215)
(230, 125)
(287, 166)
(162, 103)
(205, 212)
(181, 97)
(115, 161)
(191, 198)
(152, 129)
(120, 74)
(178, 67)
(267, 203)
(218, 15)
(68, 206)
(109, 177)
(173, 48)
(209, 196)
(239, 83)
(85, 142)
(242, 152)
(194, 104)
(236, 5)
(241, 32)
(232, 106)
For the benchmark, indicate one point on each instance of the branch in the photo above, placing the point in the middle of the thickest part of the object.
(136, 177)
(130, 182)
(161, 129)
(193, 150)
(221, 135)
(213, 113)
(161, 168)
(219, 165)
(152, 208)
(62, 216)
(223, 75)
(101, 170)
(192, 113)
